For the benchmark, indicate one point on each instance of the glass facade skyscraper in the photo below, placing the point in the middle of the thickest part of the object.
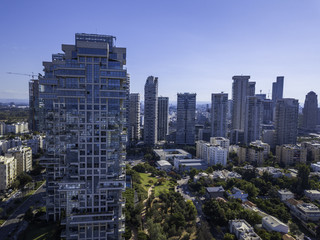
(83, 95)
(186, 116)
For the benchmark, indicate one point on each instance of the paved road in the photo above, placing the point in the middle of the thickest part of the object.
(182, 188)
(12, 224)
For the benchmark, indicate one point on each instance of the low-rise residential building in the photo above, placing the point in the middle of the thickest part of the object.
(23, 156)
(238, 194)
(242, 230)
(274, 172)
(220, 141)
(271, 223)
(260, 144)
(315, 167)
(170, 154)
(9, 143)
(306, 212)
(220, 174)
(35, 143)
(164, 165)
(252, 154)
(289, 154)
(187, 164)
(8, 171)
(285, 194)
(225, 174)
(313, 195)
(214, 192)
(17, 128)
(313, 149)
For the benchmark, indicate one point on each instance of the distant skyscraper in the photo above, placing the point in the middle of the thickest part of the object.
(267, 111)
(286, 121)
(277, 89)
(241, 88)
(134, 117)
(83, 97)
(219, 110)
(254, 115)
(186, 112)
(150, 111)
(33, 105)
(310, 111)
(163, 115)
(252, 88)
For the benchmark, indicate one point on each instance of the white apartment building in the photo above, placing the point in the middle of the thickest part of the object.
(23, 156)
(242, 230)
(221, 141)
(212, 154)
(307, 212)
(8, 171)
(260, 144)
(271, 223)
(285, 194)
(313, 195)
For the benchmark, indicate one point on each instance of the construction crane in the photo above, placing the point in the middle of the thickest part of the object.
(25, 74)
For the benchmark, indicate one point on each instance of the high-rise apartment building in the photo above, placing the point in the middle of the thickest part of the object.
(219, 110)
(277, 89)
(286, 121)
(241, 88)
(150, 111)
(186, 114)
(134, 117)
(254, 116)
(163, 116)
(82, 103)
(33, 123)
(310, 111)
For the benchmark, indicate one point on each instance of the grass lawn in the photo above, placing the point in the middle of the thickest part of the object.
(145, 178)
(2, 221)
(164, 187)
(41, 231)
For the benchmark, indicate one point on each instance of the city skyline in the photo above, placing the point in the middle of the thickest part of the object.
(207, 43)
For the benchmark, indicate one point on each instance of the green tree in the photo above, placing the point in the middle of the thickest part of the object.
(229, 236)
(155, 231)
(303, 178)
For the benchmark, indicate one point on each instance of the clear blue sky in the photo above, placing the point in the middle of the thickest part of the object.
(192, 46)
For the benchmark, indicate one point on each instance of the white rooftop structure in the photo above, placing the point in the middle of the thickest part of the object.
(170, 154)
(163, 165)
(285, 194)
(243, 230)
(315, 167)
(271, 223)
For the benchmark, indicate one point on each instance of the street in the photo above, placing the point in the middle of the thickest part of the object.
(13, 222)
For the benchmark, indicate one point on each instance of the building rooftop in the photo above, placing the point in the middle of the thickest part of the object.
(308, 207)
(215, 189)
(312, 191)
(171, 153)
(284, 191)
(163, 163)
(274, 222)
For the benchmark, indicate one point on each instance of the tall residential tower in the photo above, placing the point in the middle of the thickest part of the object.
(219, 110)
(186, 114)
(134, 117)
(82, 102)
(150, 111)
(286, 121)
(163, 116)
(310, 111)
